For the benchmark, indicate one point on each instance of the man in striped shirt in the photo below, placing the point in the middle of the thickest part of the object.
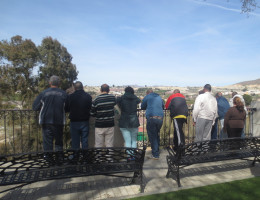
(103, 110)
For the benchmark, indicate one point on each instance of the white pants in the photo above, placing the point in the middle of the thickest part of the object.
(203, 129)
(104, 137)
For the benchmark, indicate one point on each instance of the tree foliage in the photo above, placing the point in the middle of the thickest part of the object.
(249, 5)
(18, 59)
(55, 60)
(248, 99)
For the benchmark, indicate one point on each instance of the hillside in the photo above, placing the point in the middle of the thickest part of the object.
(253, 82)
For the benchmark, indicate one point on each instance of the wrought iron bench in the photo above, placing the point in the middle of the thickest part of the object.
(211, 151)
(32, 167)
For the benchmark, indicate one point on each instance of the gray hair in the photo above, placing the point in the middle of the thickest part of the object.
(54, 80)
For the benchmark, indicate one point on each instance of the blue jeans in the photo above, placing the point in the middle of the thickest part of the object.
(153, 129)
(130, 136)
(214, 130)
(79, 132)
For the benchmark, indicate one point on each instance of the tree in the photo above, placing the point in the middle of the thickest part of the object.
(249, 6)
(55, 60)
(248, 99)
(18, 58)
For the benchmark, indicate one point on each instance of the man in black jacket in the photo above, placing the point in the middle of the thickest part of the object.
(51, 104)
(79, 105)
(177, 105)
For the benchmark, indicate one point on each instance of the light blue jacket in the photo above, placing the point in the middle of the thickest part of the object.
(153, 104)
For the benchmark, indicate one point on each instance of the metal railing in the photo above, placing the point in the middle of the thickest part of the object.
(20, 131)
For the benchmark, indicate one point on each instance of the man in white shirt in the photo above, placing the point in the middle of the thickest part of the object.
(204, 114)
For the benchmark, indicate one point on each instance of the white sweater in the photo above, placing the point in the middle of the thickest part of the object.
(205, 107)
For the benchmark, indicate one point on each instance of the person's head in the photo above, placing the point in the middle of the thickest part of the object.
(201, 92)
(238, 103)
(78, 85)
(105, 88)
(176, 91)
(129, 90)
(54, 81)
(207, 88)
(233, 94)
(150, 90)
(218, 94)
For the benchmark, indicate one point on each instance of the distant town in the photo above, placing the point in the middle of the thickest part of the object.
(244, 88)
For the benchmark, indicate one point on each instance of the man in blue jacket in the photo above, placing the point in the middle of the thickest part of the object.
(153, 104)
(223, 106)
(51, 104)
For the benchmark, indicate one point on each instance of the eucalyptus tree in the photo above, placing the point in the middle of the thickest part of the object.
(55, 60)
(18, 59)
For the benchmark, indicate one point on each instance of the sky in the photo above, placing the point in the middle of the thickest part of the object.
(144, 42)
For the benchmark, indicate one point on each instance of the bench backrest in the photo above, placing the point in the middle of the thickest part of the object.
(33, 161)
(215, 150)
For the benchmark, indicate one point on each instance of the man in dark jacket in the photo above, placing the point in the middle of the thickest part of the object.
(51, 104)
(223, 106)
(177, 105)
(79, 105)
(153, 104)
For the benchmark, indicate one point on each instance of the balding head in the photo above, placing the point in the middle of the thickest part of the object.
(78, 85)
(105, 88)
(176, 91)
(150, 90)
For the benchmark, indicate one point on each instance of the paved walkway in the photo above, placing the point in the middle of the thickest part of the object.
(104, 187)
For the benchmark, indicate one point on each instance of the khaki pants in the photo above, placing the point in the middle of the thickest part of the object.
(104, 137)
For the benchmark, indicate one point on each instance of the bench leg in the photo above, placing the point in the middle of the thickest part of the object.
(257, 158)
(178, 177)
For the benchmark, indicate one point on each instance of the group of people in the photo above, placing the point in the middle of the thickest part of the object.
(53, 103)
(208, 110)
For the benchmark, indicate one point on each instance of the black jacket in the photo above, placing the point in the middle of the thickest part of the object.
(178, 106)
(128, 105)
(51, 103)
(79, 105)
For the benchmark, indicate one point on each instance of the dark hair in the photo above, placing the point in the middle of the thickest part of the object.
(78, 85)
(54, 80)
(201, 92)
(239, 104)
(207, 87)
(218, 94)
(233, 94)
(105, 88)
(129, 90)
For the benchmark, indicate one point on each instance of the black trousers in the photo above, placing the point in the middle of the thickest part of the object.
(51, 132)
(234, 132)
(179, 138)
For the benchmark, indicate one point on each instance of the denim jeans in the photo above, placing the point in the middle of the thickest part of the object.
(153, 129)
(130, 136)
(51, 132)
(214, 130)
(79, 133)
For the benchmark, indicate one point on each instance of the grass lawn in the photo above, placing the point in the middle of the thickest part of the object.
(243, 189)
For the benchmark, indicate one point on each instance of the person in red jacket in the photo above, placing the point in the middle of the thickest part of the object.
(177, 105)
